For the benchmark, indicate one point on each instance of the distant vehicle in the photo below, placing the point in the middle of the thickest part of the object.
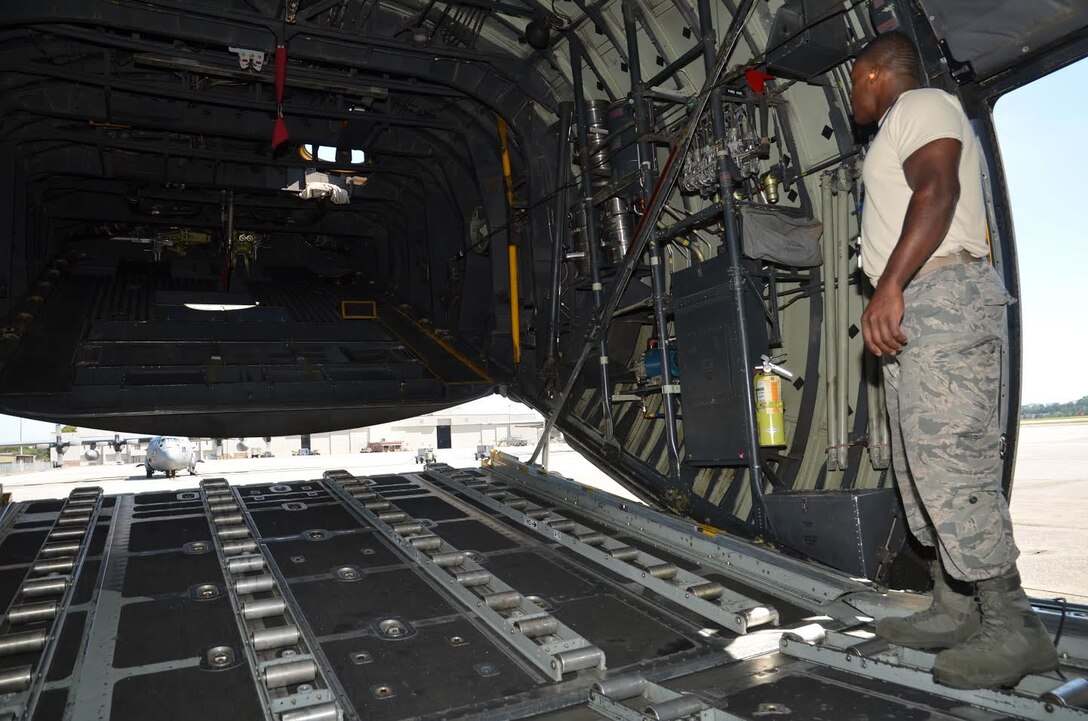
(483, 450)
(383, 447)
(425, 455)
(170, 454)
(268, 454)
(305, 452)
(513, 441)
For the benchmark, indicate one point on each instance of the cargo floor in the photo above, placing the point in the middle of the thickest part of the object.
(153, 619)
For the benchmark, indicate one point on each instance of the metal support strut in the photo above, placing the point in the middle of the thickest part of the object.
(736, 272)
(594, 249)
(648, 162)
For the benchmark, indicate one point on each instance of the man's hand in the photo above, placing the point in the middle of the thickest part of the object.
(881, 319)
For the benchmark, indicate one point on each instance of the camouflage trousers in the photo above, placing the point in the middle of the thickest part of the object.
(942, 392)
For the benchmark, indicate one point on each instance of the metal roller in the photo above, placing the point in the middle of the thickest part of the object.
(470, 579)
(1073, 694)
(233, 548)
(591, 538)
(664, 571)
(228, 519)
(624, 553)
(363, 495)
(52, 550)
(80, 520)
(321, 712)
(502, 600)
(17, 679)
(254, 584)
(233, 532)
(677, 708)
(426, 543)
(535, 627)
(263, 608)
(563, 524)
(497, 495)
(579, 658)
(709, 591)
(517, 503)
(91, 491)
(218, 498)
(52, 565)
(538, 513)
(449, 559)
(621, 688)
(277, 637)
(377, 505)
(38, 587)
(223, 506)
(392, 516)
(408, 529)
(76, 509)
(809, 633)
(867, 647)
(290, 673)
(32, 612)
(245, 564)
(66, 534)
(83, 502)
(25, 642)
(758, 616)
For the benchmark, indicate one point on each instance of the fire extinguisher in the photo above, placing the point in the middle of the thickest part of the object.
(770, 416)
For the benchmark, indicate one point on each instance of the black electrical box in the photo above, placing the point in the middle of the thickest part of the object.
(714, 392)
(807, 37)
(856, 531)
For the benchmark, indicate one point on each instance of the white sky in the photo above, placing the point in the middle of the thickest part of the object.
(1044, 149)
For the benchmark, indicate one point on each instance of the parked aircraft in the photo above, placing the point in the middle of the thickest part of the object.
(170, 454)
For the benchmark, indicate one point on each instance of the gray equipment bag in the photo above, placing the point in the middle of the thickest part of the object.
(781, 237)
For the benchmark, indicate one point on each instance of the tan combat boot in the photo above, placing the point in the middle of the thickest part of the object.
(1011, 644)
(951, 619)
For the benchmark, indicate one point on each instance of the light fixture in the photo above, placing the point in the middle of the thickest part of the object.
(221, 307)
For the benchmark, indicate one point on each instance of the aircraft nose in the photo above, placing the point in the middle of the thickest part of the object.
(174, 455)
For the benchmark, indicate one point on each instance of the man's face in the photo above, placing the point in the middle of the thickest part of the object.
(863, 91)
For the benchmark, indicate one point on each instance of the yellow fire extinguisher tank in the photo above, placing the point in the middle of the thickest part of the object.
(770, 416)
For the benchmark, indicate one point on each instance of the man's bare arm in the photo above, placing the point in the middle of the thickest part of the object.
(932, 172)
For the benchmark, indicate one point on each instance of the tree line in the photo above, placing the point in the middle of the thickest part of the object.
(1055, 410)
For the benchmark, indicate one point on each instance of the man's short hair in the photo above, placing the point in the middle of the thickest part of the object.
(895, 52)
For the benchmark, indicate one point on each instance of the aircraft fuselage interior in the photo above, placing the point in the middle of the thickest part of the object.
(232, 218)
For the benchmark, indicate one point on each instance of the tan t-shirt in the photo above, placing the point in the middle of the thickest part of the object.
(918, 117)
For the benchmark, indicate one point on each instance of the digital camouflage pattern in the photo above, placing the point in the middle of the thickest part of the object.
(942, 393)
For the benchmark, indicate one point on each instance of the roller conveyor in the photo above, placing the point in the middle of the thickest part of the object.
(185, 604)
(1035, 697)
(707, 598)
(633, 698)
(288, 677)
(544, 640)
(32, 622)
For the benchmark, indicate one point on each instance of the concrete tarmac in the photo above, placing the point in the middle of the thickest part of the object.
(1049, 502)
